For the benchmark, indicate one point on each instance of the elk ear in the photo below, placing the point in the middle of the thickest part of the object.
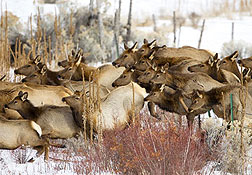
(73, 52)
(20, 93)
(215, 58)
(78, 61)
(218, 65)
(37, 59)
(234, 56)
(210, 60)
(162, 88)
(134, 47)
(3, 77)
(43, 70)
(125, 46)
(154, 67)
(199, 94)
(145, 41)
(24, 96)
(152, 44)
(152, 55)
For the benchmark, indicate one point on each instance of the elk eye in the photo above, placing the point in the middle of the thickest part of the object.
(125, 56)
(158, 75)
(28, 65)
(202, 65)
(69, 68)
(142, 62)
(224, 62)
(77, 98)
(124, 76)
(34, 75)
(15, 102)
(142, 50)
(148, 73)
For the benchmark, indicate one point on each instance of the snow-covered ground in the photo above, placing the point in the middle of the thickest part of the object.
(217, 31)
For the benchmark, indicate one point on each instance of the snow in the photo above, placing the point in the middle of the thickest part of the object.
(217, 31)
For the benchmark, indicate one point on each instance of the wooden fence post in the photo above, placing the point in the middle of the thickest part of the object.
(201, 33)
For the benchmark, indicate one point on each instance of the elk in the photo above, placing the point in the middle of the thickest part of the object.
(212, 68)
(55, 121)
(116, 109)
(175, 55)
(131, 55)
(15, 133)
(173, 101)
(128, 57)
(44, 76)
(218, 98)
(246, 62)
(70, 59)
(126, 77)
(186, 82)
(229, 63)
(39, 95)
(130, 75)
(32, 66)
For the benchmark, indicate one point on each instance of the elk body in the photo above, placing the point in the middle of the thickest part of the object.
(117, 108)
(55, 121)
(219, 98)
(15, 133)
(186, 82)
(39, 94)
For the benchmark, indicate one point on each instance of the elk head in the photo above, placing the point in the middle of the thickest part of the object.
(128, 57)
(32, 66)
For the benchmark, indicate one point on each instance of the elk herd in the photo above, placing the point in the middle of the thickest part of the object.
(49, 104)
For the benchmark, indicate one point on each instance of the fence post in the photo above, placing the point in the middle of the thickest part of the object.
(174, 28)
(201, 33)
(232, 34)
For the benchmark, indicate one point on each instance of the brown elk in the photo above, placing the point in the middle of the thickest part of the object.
(116, 109)
(32, 66)
(44, 76)
(39, 95)
(229, 63)
(15, 133)
(246, 62)
(219, 98)
(131, 55)
(176, 55)
(70, 59)
(55, 121)
(130, 75)
(186, 82)
(212, 68)
(126, 77)
(174, 101)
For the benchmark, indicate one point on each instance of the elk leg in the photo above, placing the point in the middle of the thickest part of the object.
(199, 122)
(151, 107)
(183, 104)
(40, 150)
(190, 119)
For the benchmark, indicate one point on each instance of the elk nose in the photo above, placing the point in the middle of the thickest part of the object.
(239, 62)
(113, 84)
(23, 80)
(16, 71)
(5, 106)
(113, 63)
(63, 99)
(60, 77)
